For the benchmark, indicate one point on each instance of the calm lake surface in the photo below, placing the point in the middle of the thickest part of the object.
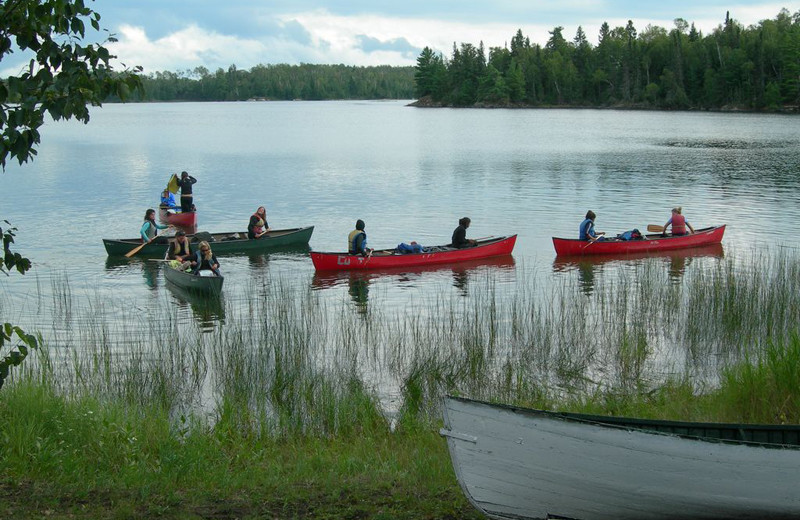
(409, 173)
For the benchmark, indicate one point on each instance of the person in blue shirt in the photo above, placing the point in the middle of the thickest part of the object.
(150, 227)
(587, 231)
(357, 240)
(167, 199)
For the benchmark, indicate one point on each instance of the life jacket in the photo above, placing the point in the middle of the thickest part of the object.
(151, 229)
(352, 240)
(179, 249)
(586, 229)
(678, 224)
(258, 227)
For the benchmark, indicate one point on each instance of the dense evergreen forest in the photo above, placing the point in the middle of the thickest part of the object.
(734, 67)
(282, 82)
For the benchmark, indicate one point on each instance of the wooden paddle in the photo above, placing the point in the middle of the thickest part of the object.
(139, 248)
(655, 228)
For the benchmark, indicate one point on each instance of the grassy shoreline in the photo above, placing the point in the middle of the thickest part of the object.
(284, 418)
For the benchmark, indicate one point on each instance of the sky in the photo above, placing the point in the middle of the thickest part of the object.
(180, 35)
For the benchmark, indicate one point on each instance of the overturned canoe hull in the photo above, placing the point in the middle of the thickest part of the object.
(522, 463)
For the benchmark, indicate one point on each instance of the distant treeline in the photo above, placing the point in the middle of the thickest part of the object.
(282, 82)
(755, 67)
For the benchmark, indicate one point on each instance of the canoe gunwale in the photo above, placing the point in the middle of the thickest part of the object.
(651, 426)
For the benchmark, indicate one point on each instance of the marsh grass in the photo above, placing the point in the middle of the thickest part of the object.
(294, 393)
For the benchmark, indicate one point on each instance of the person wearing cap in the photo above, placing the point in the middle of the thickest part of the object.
(357, 240)
(180, 249)
(185, 183)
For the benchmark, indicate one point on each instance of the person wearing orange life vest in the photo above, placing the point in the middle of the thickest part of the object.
(679, 223)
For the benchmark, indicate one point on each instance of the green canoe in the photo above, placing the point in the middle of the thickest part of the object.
(221, 243)
(201, 284)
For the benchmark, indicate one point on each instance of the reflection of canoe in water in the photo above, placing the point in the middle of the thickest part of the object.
(198, 283)
(575, 247)
(326, 279)
(221, 243)
(208, 308)
(522, 463)
(387, 259)
(562, 263)
(178, 218)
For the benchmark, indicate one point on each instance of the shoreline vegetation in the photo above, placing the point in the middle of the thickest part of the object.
(732, 69)
(284, 417)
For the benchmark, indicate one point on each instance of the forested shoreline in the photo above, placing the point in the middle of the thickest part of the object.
(734, 67)
(281, 82)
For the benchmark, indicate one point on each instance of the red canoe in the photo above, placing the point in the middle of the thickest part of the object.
(386, 259)
(175, 217)
(575, 247)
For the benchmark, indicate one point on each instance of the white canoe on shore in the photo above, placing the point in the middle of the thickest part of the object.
(515, 463)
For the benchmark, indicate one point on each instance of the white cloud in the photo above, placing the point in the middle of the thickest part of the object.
(185, 49)
(318, 36)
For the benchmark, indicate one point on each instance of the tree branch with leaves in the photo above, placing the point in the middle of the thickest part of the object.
(62, 79)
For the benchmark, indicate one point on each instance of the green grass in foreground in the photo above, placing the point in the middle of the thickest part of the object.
(84, 459)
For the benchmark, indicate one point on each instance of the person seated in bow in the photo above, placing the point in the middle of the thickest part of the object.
(679, 223)
(204, 260)
(168, 200)
(258, 226)
(357, 240)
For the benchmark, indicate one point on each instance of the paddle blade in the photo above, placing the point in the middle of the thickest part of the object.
(172, 185)
(654, 228)
(135, 250)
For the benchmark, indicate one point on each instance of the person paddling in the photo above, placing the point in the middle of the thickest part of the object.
(679, 223)
(150, 228)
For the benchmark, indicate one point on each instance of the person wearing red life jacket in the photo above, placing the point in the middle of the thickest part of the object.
(680, 226)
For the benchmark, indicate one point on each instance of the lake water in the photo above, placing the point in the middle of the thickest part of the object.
(409, 173)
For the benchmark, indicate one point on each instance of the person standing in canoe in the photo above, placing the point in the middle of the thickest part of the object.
(150, 228)
(357, 240)
(679, 223)
(185, 183)
(204, 260)
(586, 230)
(258, 225)
(459, 239)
